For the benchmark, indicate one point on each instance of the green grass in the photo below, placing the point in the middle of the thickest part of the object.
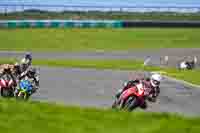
(98, 39)
(35, 117)
(188, 75)
(97, 64)
(88, 63)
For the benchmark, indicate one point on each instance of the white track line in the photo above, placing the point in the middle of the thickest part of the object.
(176, 80)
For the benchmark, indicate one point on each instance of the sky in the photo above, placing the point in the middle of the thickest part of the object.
(107, 2)
(116, 3)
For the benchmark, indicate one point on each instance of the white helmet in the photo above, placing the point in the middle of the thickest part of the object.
(155, 80)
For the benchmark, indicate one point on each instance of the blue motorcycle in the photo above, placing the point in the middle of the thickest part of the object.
(24, 90)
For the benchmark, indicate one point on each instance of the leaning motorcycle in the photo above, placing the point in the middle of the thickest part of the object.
(24, 90)
(6, 86)
(132, 98)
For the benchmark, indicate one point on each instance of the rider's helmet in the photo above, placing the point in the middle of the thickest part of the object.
(26, 61)
(28, 56)
(155, 80)
(31, 73)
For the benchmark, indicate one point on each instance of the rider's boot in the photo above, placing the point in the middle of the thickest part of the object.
(144, 105)
(34, 90)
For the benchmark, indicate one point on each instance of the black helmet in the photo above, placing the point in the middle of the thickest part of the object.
(28, 56)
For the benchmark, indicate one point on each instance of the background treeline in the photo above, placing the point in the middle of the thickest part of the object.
(97, 15)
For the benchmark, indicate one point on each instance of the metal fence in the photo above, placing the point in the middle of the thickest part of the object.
(6, 8)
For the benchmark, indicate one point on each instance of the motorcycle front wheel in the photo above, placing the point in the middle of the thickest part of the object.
(130, 103)
(114, 105)
(22, 96)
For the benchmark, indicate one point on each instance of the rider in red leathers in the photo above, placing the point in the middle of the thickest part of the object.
(151, 83)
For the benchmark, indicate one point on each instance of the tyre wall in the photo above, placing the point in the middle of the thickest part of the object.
(60, 23)
(94, 24)
(166, 24)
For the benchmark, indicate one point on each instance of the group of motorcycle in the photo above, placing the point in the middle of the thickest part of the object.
(133, 95)
(10, 82)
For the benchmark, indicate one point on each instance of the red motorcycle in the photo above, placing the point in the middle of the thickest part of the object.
(132, 98)
(6, 86)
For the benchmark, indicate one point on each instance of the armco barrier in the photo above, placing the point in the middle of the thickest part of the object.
(60, 23)
(94, 23)
(128, 24)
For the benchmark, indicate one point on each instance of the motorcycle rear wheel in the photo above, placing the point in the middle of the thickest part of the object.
(6, 92)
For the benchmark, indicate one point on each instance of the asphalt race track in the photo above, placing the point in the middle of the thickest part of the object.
(96, 88)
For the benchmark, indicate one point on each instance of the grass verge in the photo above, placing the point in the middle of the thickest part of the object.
(189, 75)
(35, 117)
(98, 39)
